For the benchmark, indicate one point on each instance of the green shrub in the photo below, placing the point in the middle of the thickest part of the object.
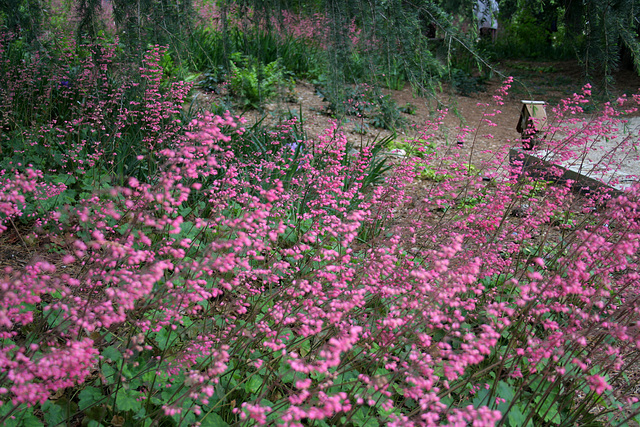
(394, 76)
(408, 108)
(212, 79)
(205, 49)
(387, 114)
(351, 100)
(466, 84)
(363, 100)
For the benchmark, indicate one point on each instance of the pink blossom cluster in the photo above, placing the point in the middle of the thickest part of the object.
(285, 285)
(15, 189)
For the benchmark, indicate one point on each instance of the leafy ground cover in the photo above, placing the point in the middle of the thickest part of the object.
(164, 265)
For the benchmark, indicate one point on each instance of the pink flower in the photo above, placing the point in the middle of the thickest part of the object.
(598, 384)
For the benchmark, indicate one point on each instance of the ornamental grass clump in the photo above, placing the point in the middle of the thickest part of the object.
(228, 289)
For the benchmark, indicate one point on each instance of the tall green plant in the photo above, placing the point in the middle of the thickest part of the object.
(22, 17)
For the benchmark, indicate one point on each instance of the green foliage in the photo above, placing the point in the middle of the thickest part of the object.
(212, 79)
(25, 418)
(267, 47)
(394, 78)
(361, 128)
(381, 43)
(365, 101)
(597, 33)
(254, 84)
(205, 49)
(387, 114)
(408, 108)
(173, 71)
(524, 37)
(23, 18)
(465, 84)
(420, 148)
(377, 164)
(610, 27)
(421, 152)
(528, 187)
(351, 100)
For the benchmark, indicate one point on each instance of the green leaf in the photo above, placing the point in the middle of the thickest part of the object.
(23, 418)
(96, 413)
(89, 396)
(127, 400)
(30, 420)
(54, 318)
(109, 373)
(290, 376)
(186, 321)
(516, 417)
(130, 371)
(167, 395)
(505, 392)
(26, 420)
(305, 348)
(549, 407)
(187, 417)
(53, 414)
(64, 179)
(480, 398)
(112, 353)
(363, 419)
(253, 385)
(24, 308)
(164, 338)
(212, 420)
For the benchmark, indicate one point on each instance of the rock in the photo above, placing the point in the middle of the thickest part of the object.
(398, 152)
